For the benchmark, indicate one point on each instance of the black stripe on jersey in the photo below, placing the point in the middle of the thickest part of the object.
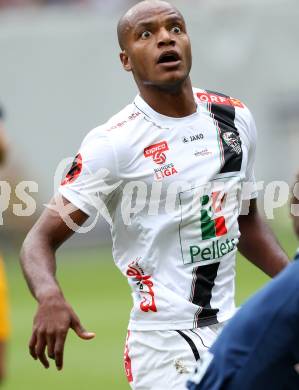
(196, 334)
(229, 135)
(191, 344)
(203, 282)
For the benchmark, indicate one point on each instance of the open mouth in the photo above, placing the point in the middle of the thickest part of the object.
(169, 57)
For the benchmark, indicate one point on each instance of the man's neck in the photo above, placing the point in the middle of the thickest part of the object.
(176, 103)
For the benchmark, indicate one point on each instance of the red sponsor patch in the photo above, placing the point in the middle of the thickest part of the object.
(156, 151)
(216, 99)
(218, 201)
(74, 172)
(127, 361)
(145, 286)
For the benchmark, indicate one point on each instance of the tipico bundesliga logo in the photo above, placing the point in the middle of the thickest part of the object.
(157, 153)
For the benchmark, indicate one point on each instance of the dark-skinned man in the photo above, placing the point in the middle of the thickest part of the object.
(174, 145)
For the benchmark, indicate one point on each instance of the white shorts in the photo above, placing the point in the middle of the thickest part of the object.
(164, 360)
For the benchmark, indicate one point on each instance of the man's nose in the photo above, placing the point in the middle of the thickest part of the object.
(165, 38)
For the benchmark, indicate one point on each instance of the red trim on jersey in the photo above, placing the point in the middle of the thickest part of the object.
(217, 99)
(127, 361)
(74, 172)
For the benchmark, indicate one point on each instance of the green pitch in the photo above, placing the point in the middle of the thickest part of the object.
(101, 298)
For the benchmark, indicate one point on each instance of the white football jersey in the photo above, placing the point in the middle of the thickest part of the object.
(172, 188)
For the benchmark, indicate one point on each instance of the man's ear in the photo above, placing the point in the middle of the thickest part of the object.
(125, 60)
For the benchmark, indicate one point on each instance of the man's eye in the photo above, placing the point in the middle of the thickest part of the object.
(145, 35)
(176, 30)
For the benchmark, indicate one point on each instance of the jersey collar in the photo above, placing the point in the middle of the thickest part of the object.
(142, 106)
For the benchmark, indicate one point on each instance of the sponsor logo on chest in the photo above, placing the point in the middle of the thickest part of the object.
(192, 138)
(158, 154)
(202, 153)
(217, 99)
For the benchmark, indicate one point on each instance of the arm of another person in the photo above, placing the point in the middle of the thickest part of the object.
(295, 205)
(258, 244)
(3, 145)
(54, 316)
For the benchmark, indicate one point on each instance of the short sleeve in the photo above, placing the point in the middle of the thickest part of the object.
(252, 135)
(93, 177)
(250, 187)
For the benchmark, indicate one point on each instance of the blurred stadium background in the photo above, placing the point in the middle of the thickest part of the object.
(59, 77)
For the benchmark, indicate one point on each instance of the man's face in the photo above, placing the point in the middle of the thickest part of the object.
(157, 46)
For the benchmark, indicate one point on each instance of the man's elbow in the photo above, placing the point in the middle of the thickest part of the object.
(2, 155)
(26, 248)
(296, 225)
(30, 245)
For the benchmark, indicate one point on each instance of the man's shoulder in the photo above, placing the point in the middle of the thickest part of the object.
(116, 125)
(218, 98)
(224, 106)
(121, 119)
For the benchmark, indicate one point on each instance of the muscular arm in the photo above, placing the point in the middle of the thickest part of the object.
(54, 315)
(258, 244)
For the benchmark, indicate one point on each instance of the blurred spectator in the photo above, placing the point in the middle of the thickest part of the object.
(15, 3)
(4, 323)
(100, 4)
(3, 145)
(115, 4)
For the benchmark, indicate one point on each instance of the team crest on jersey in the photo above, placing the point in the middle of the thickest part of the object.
(157, 153)
(232, 141)
(74, 171)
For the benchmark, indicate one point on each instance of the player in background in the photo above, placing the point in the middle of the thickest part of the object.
(4, 322)
(3, 143)
(259, 347)
(294, 210)
(179, 262)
